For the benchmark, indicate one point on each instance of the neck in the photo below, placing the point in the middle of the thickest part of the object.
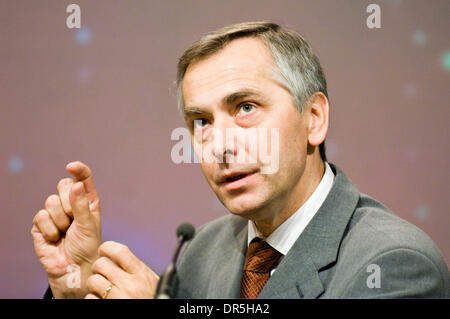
(288, 204)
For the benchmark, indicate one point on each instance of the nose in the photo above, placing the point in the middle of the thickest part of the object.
(224, 147)
(224, 157)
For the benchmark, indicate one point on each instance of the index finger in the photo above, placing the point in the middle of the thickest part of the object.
(83, 174)
(121, 255)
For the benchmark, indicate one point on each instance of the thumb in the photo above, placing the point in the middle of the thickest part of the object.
(80, 203)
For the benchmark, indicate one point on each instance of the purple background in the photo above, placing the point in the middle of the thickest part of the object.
(104, 94)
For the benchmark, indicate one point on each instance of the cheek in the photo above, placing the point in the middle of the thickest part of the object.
(293, 146)
(208, 171)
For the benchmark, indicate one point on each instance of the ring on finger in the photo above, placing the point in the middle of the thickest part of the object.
(106, 293)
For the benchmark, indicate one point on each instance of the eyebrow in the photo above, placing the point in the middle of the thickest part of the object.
(229, 99)
(192, 111)
(233, 97)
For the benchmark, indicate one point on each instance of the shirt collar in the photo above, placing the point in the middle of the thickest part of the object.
(284, 237)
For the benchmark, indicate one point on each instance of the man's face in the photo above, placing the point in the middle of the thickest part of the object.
(234, 89)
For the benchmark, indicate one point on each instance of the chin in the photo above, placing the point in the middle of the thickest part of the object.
(243, 205)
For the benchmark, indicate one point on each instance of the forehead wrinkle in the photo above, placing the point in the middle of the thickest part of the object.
(228, 85)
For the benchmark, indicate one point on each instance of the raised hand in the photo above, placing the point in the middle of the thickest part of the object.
(67, 232)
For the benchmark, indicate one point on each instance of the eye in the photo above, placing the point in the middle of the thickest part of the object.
(200, 123)
(246, 108)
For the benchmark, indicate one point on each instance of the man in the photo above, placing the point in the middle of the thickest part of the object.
(300, 231)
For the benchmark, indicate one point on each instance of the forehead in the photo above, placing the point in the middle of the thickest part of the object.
(243, 64)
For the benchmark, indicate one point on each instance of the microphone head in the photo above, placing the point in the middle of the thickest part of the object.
(186, 231)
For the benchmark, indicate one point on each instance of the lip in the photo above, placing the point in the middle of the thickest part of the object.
(236, 184)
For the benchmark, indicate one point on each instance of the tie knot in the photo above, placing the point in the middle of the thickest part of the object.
(260, 257)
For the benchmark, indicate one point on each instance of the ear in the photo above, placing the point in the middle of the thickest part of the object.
(318, 119)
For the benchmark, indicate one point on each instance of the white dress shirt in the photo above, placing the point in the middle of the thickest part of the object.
(284, 237)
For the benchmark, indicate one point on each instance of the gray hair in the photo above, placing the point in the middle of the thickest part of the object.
(296, 66)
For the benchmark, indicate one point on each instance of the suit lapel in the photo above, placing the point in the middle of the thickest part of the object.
(297, 275)
(226, 276)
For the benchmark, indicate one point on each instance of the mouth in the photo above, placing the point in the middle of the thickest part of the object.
(236, 180)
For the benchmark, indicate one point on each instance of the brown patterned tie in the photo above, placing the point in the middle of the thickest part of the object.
(259, 260)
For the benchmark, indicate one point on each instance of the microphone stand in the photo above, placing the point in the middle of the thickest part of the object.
(165, 285)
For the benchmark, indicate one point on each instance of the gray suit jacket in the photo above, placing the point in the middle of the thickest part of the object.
(354, 247)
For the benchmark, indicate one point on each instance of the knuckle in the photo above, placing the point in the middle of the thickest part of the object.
(98, 264)
(65, 182)
(52, 201)
(105, 245)
(53, 234)
(111, 246)
(41, 216)
(103, 261)
(114, 249)
(64, 222)
(122, 250)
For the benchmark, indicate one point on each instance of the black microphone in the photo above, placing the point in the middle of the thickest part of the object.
(185, 232)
